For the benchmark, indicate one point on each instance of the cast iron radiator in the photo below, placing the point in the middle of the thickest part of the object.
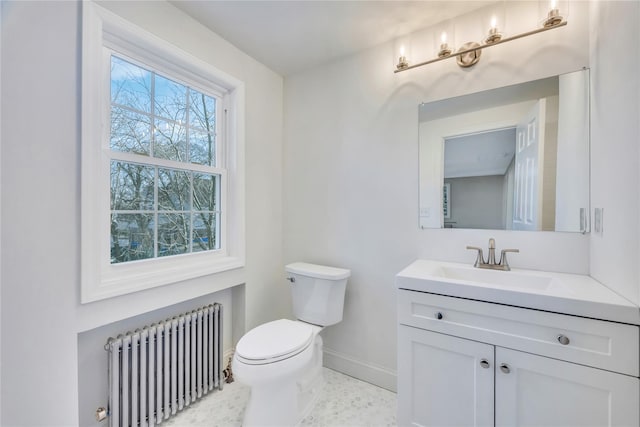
(161, 369)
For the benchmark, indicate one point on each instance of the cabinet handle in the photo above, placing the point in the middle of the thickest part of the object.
(505, 368)
(563, 339)
(439, 316)
(485, 363)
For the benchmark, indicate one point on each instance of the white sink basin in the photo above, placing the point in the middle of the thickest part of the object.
(509, 279)
(575, 294)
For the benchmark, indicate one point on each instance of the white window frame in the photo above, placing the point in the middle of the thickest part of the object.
(104, 33)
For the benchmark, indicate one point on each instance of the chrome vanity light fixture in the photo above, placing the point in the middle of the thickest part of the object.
(469, 53)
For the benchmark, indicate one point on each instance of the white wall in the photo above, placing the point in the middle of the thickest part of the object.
(477, 202)
(351, 177)
(615, 126)
(573, 151)
(40, 176)
(1, 8)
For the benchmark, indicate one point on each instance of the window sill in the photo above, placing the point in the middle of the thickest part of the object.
(109, 310)
(120, 279)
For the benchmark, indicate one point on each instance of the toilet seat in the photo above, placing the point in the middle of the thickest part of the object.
(274, 341)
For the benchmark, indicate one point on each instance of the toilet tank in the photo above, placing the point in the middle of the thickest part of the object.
(318, 292)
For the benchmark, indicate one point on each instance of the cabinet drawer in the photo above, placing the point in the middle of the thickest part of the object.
(601, 344)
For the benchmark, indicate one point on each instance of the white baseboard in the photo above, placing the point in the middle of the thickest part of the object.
(367, 372)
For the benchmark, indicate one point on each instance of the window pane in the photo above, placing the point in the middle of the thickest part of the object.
(130, 85)
(174, 190)
(202, 111)
(130, 131)
(204, 192)
(131, 237)
(202, 124)
(173, 234)
(170, 99)
(131, 186)
(170, 141)
(204, 231)
(202, 148)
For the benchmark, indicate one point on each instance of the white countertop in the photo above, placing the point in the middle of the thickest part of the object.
(564, 293)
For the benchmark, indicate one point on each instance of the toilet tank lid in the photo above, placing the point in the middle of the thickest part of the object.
(318, 271)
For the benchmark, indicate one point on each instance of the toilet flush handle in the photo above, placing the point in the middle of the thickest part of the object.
(291, 279)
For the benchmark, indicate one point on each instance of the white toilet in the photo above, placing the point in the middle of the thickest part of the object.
(282, 360)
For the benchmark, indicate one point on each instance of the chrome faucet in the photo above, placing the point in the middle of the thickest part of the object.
(491, 262)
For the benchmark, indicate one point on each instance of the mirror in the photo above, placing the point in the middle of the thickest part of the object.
(512, 158)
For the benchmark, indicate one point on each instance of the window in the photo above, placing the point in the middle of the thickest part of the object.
(162, 189)
(165, 183)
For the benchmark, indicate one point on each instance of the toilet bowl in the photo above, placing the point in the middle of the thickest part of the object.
(282, 360)
(274, 359)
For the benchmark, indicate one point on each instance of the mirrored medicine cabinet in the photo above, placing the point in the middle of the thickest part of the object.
(512, 158)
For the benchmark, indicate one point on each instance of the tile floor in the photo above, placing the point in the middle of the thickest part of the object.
(345, 402)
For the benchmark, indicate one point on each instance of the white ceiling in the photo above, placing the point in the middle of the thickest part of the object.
(291, 36)
(479, 154)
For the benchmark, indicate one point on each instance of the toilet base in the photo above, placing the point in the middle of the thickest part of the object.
(311, 383)
(287, 401)
(269, 407)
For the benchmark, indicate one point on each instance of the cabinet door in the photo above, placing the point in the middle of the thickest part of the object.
(441, 380)
(539, 391)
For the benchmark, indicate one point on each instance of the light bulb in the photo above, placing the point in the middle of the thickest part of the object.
(444, 47)
(494, 35)
(402, 60)
(553, 17)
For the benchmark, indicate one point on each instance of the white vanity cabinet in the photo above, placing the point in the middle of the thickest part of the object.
(441, 382)
(472, 363)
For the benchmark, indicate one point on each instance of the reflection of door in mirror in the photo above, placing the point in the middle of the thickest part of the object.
(529, 165)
